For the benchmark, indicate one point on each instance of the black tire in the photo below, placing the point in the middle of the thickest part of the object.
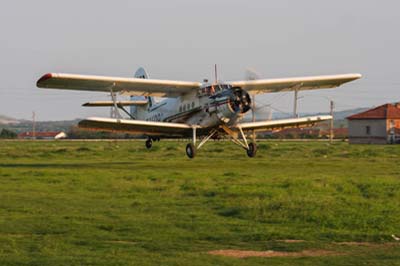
(149, 144)
(252, 150)
(190, 150)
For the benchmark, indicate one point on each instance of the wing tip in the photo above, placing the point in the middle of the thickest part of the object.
(357, 75)
(43, 79)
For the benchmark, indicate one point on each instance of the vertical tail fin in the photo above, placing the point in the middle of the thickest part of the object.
(141, 74)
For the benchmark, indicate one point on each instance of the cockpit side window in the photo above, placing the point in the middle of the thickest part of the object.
(210, 90)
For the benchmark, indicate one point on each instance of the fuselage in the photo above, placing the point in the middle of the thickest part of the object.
(210, 106)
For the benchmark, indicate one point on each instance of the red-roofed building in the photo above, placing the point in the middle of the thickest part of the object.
(379, 125)
(42, 135)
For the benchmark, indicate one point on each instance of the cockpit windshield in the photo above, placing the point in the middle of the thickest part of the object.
(212, 89)
(223, 86)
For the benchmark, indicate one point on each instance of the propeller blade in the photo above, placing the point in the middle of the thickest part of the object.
(251, 74)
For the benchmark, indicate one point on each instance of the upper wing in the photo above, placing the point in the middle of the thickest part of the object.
(131, 86)
(136, 126)
(283, 123)
(289, 84)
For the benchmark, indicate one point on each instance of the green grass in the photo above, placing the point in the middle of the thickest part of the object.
(116, 203)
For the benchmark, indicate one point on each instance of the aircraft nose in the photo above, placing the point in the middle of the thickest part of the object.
(241, 100)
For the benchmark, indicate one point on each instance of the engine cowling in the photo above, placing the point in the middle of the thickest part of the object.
(232, 103)
(240, 100)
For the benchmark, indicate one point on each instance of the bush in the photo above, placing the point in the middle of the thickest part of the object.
(7, 134)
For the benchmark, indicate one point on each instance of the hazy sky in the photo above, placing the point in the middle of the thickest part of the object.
(182, 39)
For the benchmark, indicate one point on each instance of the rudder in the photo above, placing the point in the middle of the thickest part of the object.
(141, 73)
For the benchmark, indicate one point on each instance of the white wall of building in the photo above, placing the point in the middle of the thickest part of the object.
(377, 131)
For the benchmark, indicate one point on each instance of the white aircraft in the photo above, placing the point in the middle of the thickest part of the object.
(191, 109)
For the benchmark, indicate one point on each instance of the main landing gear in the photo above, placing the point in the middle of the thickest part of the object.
(190, 150)
(149, 142)
(251, 148)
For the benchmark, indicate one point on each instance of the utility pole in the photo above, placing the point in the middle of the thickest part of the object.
(215, 73)
(295, 103)
(253, 117)
(33, 125)
(296, 98)
(332, 106)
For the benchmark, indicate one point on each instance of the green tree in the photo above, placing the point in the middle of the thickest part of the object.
(7, 134)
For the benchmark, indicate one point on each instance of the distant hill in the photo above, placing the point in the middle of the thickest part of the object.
(5, 120)
(340, 120)
(20, 126)
(338, 115)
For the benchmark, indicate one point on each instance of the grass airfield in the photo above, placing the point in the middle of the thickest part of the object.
(116, 203)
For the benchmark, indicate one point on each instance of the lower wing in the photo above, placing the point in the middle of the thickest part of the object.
(180, 129)
(111, 103)
(136, 126)
(283, 123)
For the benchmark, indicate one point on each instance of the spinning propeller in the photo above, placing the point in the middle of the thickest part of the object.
(251, 74)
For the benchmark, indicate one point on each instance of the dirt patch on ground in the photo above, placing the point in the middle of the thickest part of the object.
(121, 242)
(304, 253)
(271, 253)
(364, 244)
(291, 240)
(367, 244)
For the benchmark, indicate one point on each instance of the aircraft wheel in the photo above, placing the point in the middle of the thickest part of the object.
(149, 143)
(252, 150)
(190, 150)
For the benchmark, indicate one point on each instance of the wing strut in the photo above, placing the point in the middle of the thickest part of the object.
(118, 106)
(114, 100)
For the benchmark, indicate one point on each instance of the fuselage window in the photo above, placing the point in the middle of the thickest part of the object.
(188, 106)
(192, 104)
(180, 108)
(184, 108)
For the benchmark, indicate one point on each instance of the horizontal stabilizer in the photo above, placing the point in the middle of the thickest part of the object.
(111, 103)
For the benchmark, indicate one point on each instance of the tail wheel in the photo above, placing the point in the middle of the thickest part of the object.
(149, 143)
(190, 150)
(252, 150)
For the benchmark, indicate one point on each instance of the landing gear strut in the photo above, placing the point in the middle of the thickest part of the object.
(251, 148)
(191, 148)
